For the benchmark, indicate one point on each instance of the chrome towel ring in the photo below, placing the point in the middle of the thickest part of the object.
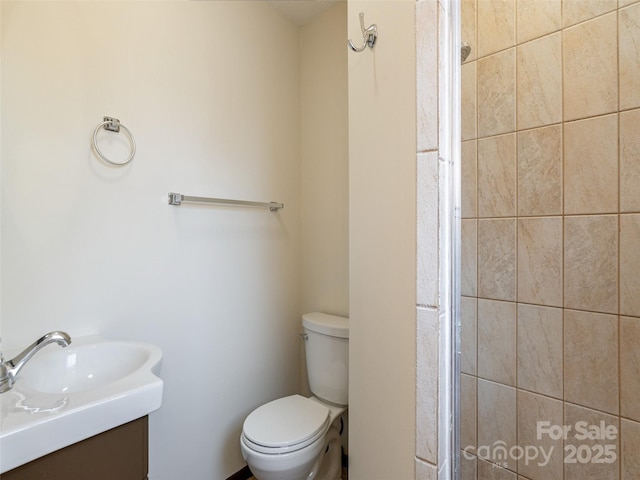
(113, 125)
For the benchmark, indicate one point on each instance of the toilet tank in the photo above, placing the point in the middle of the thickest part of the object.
(327, 353)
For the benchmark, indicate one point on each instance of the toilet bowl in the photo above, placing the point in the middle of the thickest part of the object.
(293, 438)
(298, 438)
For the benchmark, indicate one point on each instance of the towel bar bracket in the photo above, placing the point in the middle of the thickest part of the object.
(112, 124)
(175, 199)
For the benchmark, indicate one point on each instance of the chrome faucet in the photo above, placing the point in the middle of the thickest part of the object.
(9, 370)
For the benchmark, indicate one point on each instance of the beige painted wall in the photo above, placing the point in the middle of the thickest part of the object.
(382, 245)
(324, 169)
(89, 248)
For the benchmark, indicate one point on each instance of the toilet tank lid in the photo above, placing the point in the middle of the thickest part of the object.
(326, 324)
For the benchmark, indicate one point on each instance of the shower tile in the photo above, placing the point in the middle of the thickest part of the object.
(624, 3)
(630, 368)
(540, 261)
(629, 45)
(539, 82)
(591, 165)
(427, 385)
(630, 265)
(496, 422)
(532, 409)
(536, 18)
(591, 263)
(591, 470)
(575, 11)
(497, 176)
(496, 26)
(469, 101)
(497, 259)
(468, 410)
(469, 179)
(469, 9)
(629, 452)
(469, 258)
(630, 161)
(427, 74)
(489, 471)
(468, 334)
(591, 360)
(497, 93)
(468, 466)
(540, 349)
(427, 229)
(590, 53)
(425, 471)
(497, 341)
(540, 171)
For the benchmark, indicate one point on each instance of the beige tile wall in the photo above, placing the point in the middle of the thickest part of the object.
(428, 297)
(551, 235)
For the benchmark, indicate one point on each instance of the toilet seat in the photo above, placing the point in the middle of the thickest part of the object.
(285, 425)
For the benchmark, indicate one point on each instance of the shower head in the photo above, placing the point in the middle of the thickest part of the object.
(466, 50)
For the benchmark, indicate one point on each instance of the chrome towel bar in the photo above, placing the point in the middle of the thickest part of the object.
(178, 198)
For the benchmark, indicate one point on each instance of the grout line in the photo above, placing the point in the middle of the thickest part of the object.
(477, 272)
(540, 127)
(430, 150)
(620, 218)
(625, 110)
(516, 122)
(619, 223)
(563, 211)
(563, 170)
(422, 306)
(555, 215)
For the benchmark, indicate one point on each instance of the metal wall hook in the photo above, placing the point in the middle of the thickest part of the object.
(369, 35)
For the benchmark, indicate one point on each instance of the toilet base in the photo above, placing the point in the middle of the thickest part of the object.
(321, 461)
(330, 467)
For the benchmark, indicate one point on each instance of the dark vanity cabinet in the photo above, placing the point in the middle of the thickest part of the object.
(117, 454)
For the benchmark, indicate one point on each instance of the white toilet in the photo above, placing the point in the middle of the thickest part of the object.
(298, 438)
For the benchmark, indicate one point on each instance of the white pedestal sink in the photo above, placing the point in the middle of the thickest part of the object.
(65, 395)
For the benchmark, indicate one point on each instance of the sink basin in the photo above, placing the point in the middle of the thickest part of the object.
(65, 395)
(78, 368)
